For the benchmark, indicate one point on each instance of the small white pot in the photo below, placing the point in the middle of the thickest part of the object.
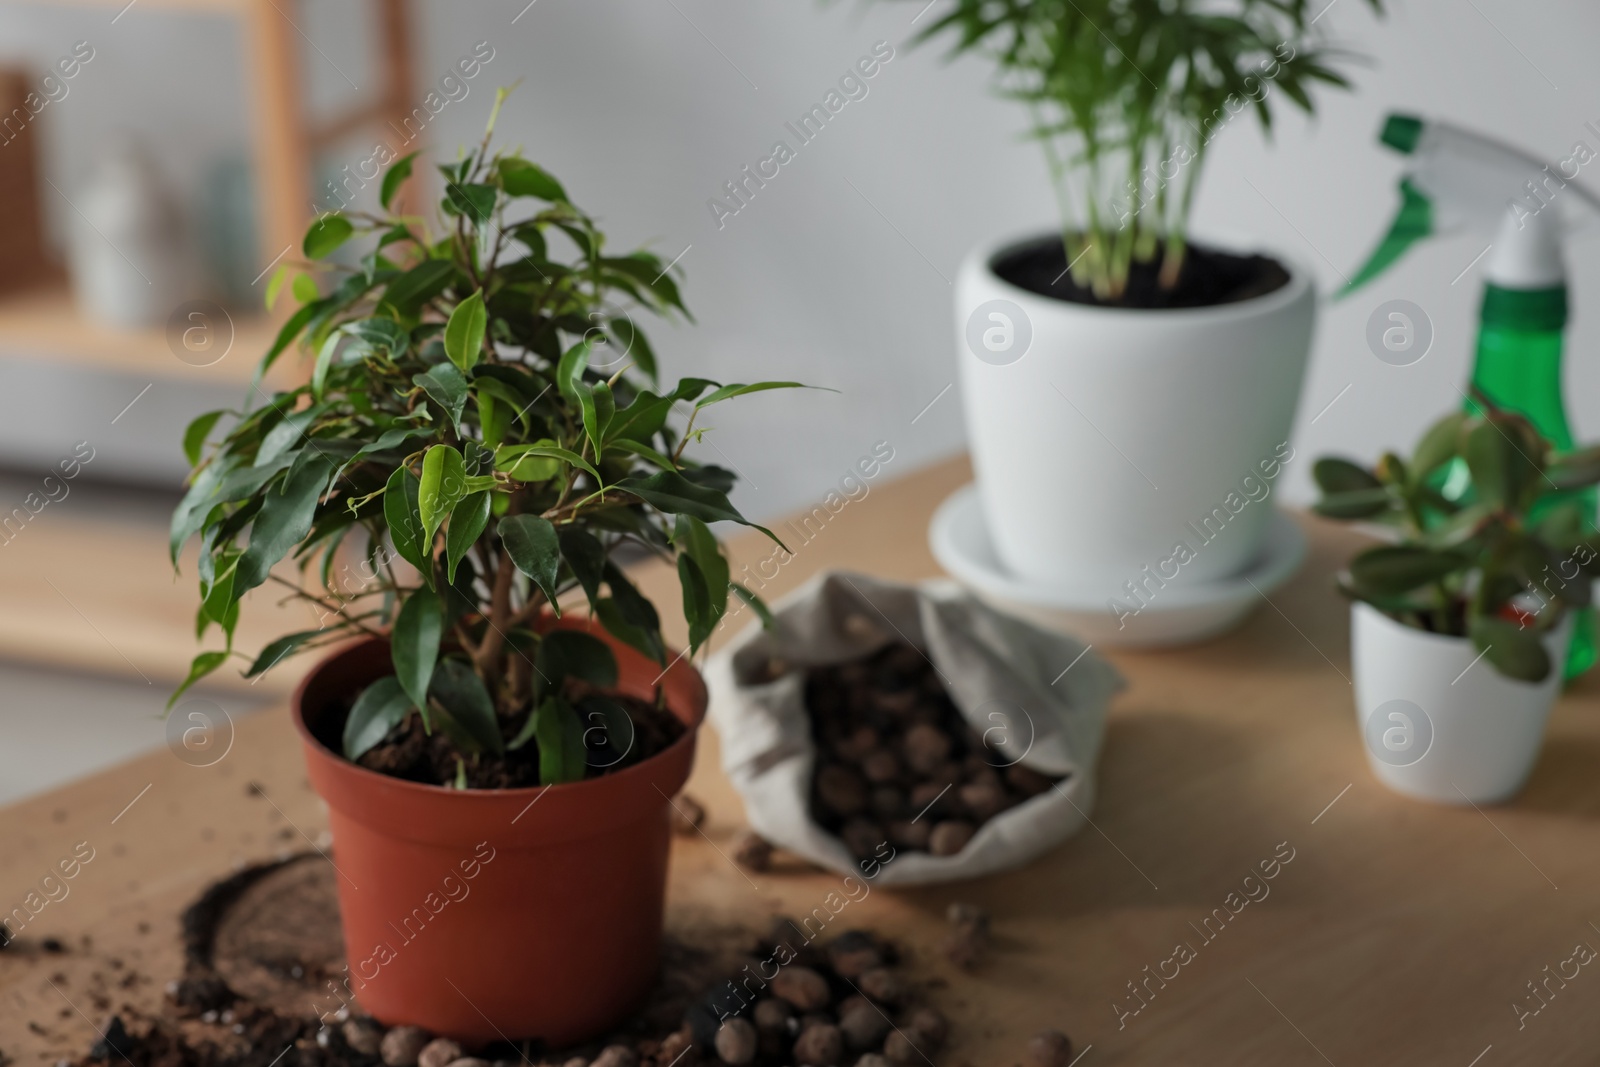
(1438, 722)
(1103, 437)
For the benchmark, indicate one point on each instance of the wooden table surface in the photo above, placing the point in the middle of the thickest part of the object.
(1398, 933)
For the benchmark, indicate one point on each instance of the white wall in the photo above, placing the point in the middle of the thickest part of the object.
(837, 272)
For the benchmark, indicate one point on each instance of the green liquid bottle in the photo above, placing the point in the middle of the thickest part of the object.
(1518, 368)
(1456, 178)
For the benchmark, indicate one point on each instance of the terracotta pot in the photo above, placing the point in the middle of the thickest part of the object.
(497, 914)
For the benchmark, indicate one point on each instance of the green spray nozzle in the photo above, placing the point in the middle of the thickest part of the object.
(1458, 179)
(1415, 219)
(1413, 222)
(1401, 132)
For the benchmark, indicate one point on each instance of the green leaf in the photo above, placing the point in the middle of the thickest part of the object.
(618, 625)
(289, 432)
(219, 599)
(1575, 470)
(319, 370)
(275, 284)
(570, 370)
(518, 177)
(194, 437)
(1438, 446)
(1460, 527)
(1355, 504)
(727, 392)
(608, 727)
(473, 201)
(641, 626)
(704, 577)
(660, 459)
(1390, 570)
(446, 387)
(674, 494)
(691, 388)
(304, 288)
(1514, 651)
(515, 404)
(574, 654)
(381, 707)
(388, 441)
(1341, 476)
(466, 523)
(190, 514)
(1391, 470)
(414, 644)
(462, 694)
(598, 407)
(327, 233)
(463, 334)
(585, 557)
(419, 285)
(509, 457)
(287, 334)
(284, 520)
(281, 649)
(757, 605)
(203, 664)
(533, 546)
(697, 610)
(402, 513)
(642, 419)
(444, 483)
(1501, 469)
(394, 177)
(494, 419)
(633, 343)
(559, 731)
(379, 332)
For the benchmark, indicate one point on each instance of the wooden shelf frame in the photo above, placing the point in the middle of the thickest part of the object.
(283, 148)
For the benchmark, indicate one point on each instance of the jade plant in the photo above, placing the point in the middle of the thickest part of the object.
(1493, 542)
(482, 430)
(1125, 96)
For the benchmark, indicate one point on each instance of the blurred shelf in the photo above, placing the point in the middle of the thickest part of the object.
(204, 7)
(125, 613)
(226, 6)
(46, 324)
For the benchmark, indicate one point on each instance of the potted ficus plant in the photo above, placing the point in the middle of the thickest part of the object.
(1120, 379)
(482, 430)
(1460, 625)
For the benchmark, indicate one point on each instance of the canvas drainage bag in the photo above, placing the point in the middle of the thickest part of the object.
(1039, 699)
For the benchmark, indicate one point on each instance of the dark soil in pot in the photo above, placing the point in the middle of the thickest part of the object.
(621, 730)
(897, 761)
(411, 753)
(1209, 277)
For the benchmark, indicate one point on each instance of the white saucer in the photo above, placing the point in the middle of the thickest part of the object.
(1175, 615)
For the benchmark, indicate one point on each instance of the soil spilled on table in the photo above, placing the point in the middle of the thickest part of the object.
(261, 946)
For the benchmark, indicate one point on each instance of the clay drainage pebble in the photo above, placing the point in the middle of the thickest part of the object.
(896, 761)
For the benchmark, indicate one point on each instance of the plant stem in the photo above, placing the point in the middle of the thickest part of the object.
(489, 658)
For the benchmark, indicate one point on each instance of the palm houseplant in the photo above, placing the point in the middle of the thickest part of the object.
(499, 725)
(1183, 361)
(1460, 621)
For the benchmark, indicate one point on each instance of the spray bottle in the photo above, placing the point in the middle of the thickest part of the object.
(1457, 180)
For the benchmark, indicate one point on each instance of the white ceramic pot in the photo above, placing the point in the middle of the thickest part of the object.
(1438, 722)
(1104, 437)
